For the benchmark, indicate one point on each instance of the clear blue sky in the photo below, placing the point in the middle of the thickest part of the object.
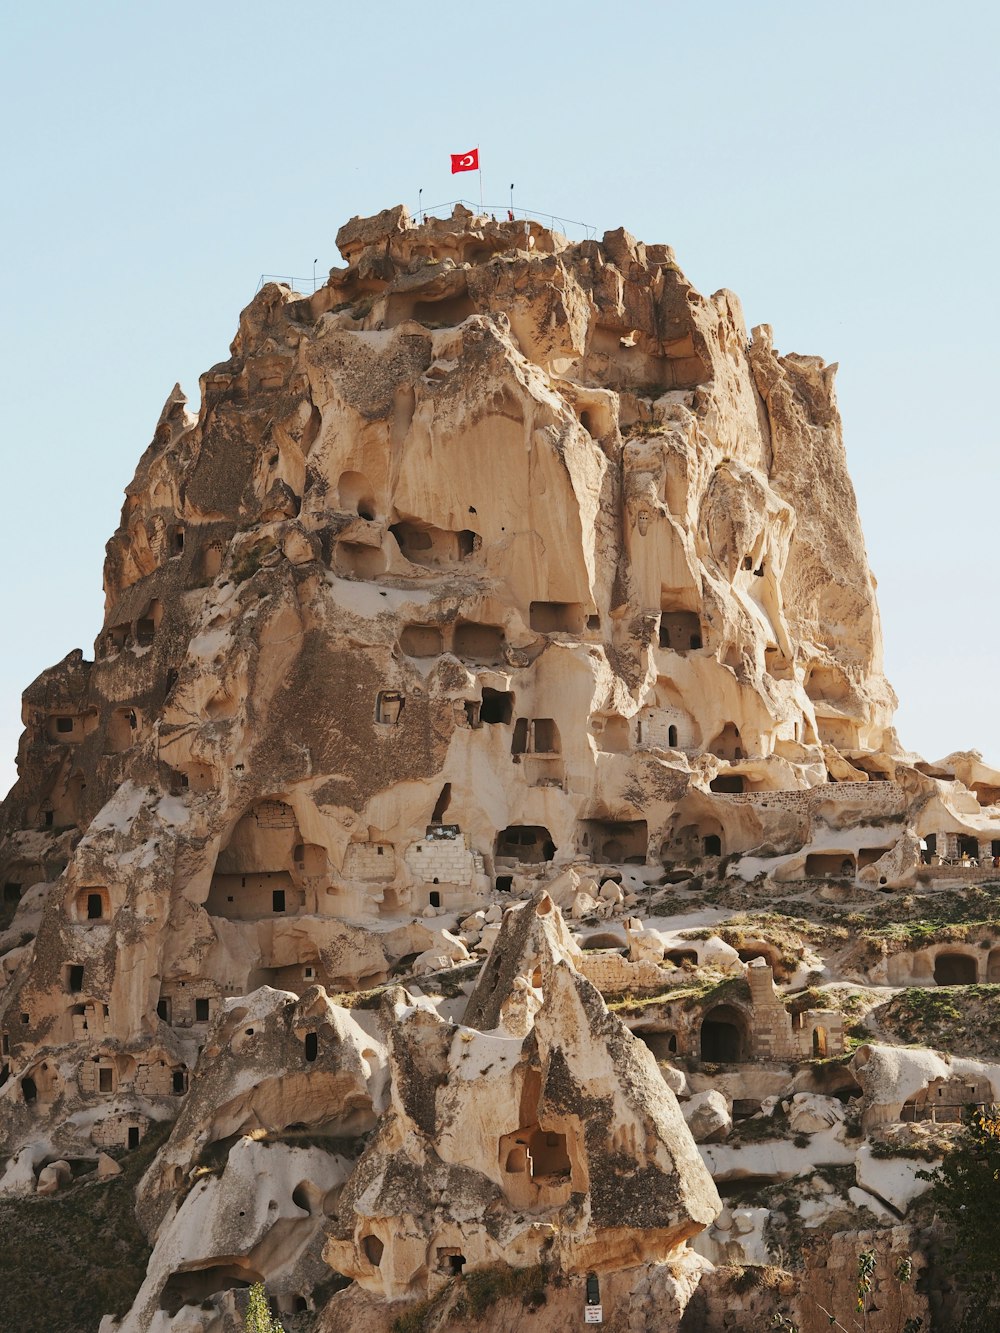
(835, 165)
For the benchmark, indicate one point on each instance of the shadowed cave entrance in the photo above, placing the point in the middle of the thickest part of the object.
(724, 1036)
(954, 969)
(194, 1285)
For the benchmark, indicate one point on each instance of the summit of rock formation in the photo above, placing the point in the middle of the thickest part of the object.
(479, 838)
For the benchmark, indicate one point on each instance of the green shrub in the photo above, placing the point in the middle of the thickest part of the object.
(259, 1318)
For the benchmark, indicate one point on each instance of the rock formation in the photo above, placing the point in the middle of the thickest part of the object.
(487, 745)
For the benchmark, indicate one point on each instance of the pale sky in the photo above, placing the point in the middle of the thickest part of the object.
(836, 166)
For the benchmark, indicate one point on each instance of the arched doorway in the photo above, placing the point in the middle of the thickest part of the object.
(724, 1035)
(954, 969)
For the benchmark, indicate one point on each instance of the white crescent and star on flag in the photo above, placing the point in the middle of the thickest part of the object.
(465, 161)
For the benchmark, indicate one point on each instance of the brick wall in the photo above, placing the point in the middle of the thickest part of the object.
(653, 729)
(112, 1132)
(447, 860)
(154, 1080)
(89, 1078)
(90, 1024)
(880, 798)
(610, 972)
(371, 862)
(182, 996)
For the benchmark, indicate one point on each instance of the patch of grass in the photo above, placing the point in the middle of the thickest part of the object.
(70, 1258)
(915, 1152)
(755, 1277)
(842, 1178)
(784, 936)
(700, 992)
(250, 561)
(361, 999)
(963, 1018)
(315, 1138)
(417, 1318)
(471, 1295)
(483, 1287)
(760, 1128)
(915, 919)
(449, 982)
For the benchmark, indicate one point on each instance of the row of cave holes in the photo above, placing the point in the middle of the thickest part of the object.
(475, 641)
(450, 1261)
(541, 735)
(531, 735)
(122, 726)
(141, 631)
(537, 840)
(416, 541)
(494, 709)
(105, 1083)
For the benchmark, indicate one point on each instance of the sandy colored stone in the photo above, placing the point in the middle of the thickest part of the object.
(498, 616)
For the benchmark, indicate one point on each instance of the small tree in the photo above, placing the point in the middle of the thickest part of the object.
(259, 1318)
(966, 1192)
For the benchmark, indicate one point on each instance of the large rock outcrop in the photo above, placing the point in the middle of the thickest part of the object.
(500, 570)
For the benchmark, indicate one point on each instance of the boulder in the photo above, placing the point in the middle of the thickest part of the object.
(708, 1117)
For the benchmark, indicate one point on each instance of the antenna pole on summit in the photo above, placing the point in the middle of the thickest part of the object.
(420, 203)
(512, 201)
(480, 189)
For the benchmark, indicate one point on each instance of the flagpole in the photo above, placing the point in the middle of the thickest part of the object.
(480, 189)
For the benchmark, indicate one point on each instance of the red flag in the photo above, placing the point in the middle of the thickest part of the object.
(465, 161)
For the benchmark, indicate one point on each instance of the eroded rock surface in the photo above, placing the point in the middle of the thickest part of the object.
(486, 741)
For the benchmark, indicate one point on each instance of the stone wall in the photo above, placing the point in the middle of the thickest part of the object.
(183, 995)
(372, 862)
(611, 973)
(113, 1131)
(653, 730)
(155, 1080)
(441, 860)
(831, 1277)
(92, 1023)
(880, 798)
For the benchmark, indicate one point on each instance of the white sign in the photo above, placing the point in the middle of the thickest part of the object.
(594, 1314)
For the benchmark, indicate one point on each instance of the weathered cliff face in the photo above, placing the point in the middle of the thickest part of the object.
(499, 562)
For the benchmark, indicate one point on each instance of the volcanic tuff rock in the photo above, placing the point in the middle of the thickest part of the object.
(503, 599)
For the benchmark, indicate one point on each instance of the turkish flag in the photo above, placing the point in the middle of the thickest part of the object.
(465, 161)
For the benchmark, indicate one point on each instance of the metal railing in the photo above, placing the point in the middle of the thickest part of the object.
(947, 1114)
(498, 211)
(289, 281)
